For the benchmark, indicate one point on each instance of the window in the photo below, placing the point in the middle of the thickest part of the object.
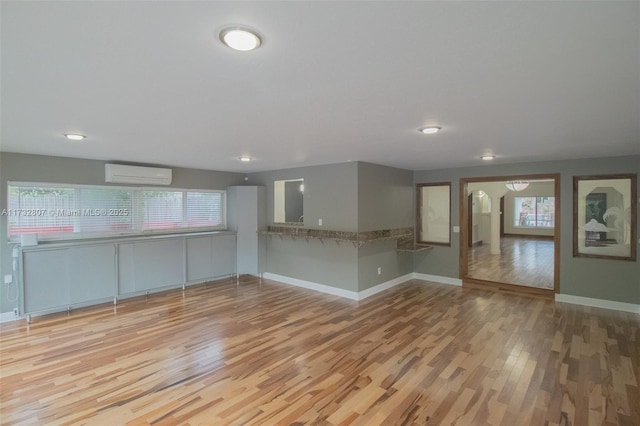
(162, 210)
(70, 211)
(204, 209)
(534, 212)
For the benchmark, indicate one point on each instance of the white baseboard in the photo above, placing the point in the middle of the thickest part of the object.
(8, 316)
(353, 295)
(383, 286)
(598, 303)
(437, 279)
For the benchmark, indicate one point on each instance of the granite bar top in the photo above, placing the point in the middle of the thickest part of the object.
(404, 234)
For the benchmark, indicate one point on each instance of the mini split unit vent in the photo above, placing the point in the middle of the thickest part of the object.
(119, 173)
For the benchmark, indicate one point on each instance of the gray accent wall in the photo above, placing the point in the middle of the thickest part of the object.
(616, 280)
(40, 168)
(385, 201)
(353, 196)
(385, 197)
(330, 194)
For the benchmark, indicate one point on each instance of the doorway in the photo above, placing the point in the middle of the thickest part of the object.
(523, 261)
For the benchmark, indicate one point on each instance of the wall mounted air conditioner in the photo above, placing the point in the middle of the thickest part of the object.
(120, 173)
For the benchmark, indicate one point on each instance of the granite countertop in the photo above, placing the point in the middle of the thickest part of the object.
(404, 234)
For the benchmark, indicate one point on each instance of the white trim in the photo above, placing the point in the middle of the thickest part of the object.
(383, 286)
(437, 279)
(312, 286)
(598, 303)
(353, 295)
(8, 317)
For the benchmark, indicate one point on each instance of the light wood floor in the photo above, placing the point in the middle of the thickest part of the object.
(522, 261)
(419, 353)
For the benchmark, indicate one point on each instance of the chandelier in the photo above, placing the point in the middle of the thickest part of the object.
(516, 185)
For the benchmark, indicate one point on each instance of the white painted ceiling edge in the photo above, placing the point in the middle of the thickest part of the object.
(150, 82)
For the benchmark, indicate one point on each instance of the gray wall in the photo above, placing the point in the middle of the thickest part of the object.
(330, 194)
(597, 278)
(385, 197)
(385, 201)
(39, 168)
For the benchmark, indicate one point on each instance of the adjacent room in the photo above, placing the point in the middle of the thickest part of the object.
(322, 213)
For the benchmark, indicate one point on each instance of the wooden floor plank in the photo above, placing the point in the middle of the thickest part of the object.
(267, 353)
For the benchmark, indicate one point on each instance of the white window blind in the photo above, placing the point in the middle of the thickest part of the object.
(204, 209)
(162, 210)
(57, 212)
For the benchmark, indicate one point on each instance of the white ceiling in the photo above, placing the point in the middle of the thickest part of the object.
(333, 81)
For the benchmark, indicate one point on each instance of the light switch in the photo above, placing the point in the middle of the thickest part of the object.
(456, 229)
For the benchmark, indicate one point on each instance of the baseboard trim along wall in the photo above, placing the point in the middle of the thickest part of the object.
(355, 295)
(7, 317)
(598, 303)
(383, 286)
(437, 279)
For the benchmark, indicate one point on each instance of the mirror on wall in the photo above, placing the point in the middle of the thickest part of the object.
(434, 213)
(288, 201)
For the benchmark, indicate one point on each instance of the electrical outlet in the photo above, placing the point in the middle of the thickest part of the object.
(379, 270)
(15, 312)
(8, 279)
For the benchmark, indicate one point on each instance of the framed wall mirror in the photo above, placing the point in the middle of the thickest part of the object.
(433, 213)
(288, 201)
(604, 216)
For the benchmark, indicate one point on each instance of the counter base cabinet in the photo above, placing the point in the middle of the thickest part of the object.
(55, 278)
(210, 257)
(64, 277)
(150, 265)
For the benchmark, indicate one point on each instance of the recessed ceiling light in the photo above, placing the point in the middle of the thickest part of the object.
(245, 159)
(239, 38)
(74, 136)
(430, 130)
(487, 157)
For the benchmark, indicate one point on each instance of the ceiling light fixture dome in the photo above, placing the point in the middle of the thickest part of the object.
(430, 130)
(245, 159)
(487, 157)
(240, 38)
(516, 185)
(74, 136)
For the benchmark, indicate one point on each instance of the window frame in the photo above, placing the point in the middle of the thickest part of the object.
(136, 207)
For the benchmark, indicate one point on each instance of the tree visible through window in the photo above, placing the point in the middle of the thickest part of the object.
(534, 212)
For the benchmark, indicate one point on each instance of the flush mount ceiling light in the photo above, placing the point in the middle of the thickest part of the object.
(245, 159)
(74, 136)
(430, 130)
(487, 157)
(516, 185)
(240, 38)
